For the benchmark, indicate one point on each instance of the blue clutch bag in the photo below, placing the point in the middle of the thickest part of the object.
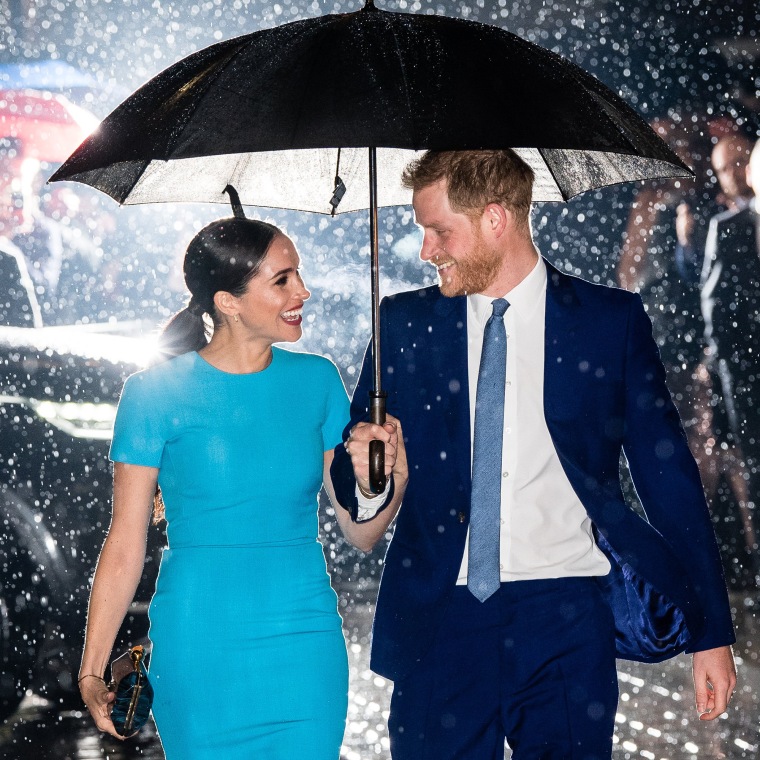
(134, 694)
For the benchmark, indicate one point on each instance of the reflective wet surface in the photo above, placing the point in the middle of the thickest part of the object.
(656, 719)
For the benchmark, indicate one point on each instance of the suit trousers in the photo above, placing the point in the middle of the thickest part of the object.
(533, 665)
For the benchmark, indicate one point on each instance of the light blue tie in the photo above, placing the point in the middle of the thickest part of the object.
(483, 577)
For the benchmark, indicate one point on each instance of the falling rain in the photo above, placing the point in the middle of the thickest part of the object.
(105, 278)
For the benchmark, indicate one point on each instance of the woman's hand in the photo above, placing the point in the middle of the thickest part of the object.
(366, 533)
(357, 446)
(99, 701)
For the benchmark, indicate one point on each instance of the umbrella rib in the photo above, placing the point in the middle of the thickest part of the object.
(589, 83)
(405, 79)
(596, 90)
(209, 81)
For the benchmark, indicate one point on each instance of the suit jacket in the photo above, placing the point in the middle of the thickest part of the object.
(604, 391)
(731, 309)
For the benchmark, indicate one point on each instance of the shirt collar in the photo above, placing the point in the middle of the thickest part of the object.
(524, 298)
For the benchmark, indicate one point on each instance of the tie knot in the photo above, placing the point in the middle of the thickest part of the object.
(500, 305)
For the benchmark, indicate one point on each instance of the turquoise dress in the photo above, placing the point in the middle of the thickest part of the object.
(248, 659)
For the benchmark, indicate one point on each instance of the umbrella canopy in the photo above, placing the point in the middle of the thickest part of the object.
(397, 82)
(49, 126)
(286, 115)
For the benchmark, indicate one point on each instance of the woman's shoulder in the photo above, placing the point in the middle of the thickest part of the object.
(304, 359)
(308, 365)
(164, 376)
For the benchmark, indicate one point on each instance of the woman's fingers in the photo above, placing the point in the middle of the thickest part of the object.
(98, 701)
(357, 445)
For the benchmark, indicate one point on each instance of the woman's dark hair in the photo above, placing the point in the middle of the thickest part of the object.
(224, 255)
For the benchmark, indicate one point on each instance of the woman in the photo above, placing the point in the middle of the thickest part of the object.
(248, 656)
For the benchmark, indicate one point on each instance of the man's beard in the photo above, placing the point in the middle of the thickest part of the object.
(473, 274)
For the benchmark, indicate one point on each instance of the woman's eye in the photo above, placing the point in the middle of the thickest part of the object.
(282, 281)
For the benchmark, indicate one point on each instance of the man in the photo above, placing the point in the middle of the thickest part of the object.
(528, 655)
(731, 310)
(18, 303)
(729, 160)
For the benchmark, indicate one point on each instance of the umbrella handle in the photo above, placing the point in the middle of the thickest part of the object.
(377, 479)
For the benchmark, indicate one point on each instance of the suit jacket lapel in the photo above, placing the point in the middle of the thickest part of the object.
(561, 338)
(453, 372)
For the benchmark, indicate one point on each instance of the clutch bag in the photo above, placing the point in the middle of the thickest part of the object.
(134, 694)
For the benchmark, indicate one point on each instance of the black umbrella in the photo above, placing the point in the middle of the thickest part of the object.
(322, 115)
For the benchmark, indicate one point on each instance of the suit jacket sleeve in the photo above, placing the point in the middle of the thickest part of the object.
(667, 479)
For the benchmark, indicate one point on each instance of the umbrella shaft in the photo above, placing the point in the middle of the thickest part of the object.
(375, 270)
(377, 479)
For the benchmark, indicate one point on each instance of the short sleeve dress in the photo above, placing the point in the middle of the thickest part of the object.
(248, 658)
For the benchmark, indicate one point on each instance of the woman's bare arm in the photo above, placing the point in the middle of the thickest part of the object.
(117, 575)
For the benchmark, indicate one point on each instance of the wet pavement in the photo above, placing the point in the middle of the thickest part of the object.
(655, 721)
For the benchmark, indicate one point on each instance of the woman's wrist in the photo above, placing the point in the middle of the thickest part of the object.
(368, 494)
(90, 675)
(364, 492)
(93, 665)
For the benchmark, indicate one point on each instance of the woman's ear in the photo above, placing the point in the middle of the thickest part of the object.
(225, 303)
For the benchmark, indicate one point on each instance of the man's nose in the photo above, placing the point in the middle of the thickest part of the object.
(428, 249)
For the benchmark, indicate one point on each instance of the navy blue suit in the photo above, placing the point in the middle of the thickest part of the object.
(604, 391)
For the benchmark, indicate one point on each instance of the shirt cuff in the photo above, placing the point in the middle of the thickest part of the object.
(368, 507)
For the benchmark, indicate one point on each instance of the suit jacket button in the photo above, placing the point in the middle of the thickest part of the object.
(461, 517)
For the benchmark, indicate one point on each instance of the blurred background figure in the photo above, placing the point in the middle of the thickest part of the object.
(731, 307)
(84, 231)
(18, 304)
(39, 239)
(729, 159)
(48, 126)
(660, 260)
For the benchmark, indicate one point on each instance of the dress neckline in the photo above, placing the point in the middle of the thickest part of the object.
(204, 363)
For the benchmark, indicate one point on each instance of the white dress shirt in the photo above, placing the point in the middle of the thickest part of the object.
(545, 531)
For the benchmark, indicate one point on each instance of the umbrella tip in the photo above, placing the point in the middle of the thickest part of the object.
(237, 206)
(369, 5)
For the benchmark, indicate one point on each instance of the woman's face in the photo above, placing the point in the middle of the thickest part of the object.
(272, 305)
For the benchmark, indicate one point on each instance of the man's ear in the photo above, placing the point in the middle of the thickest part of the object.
(495, 220)
(225, 303)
